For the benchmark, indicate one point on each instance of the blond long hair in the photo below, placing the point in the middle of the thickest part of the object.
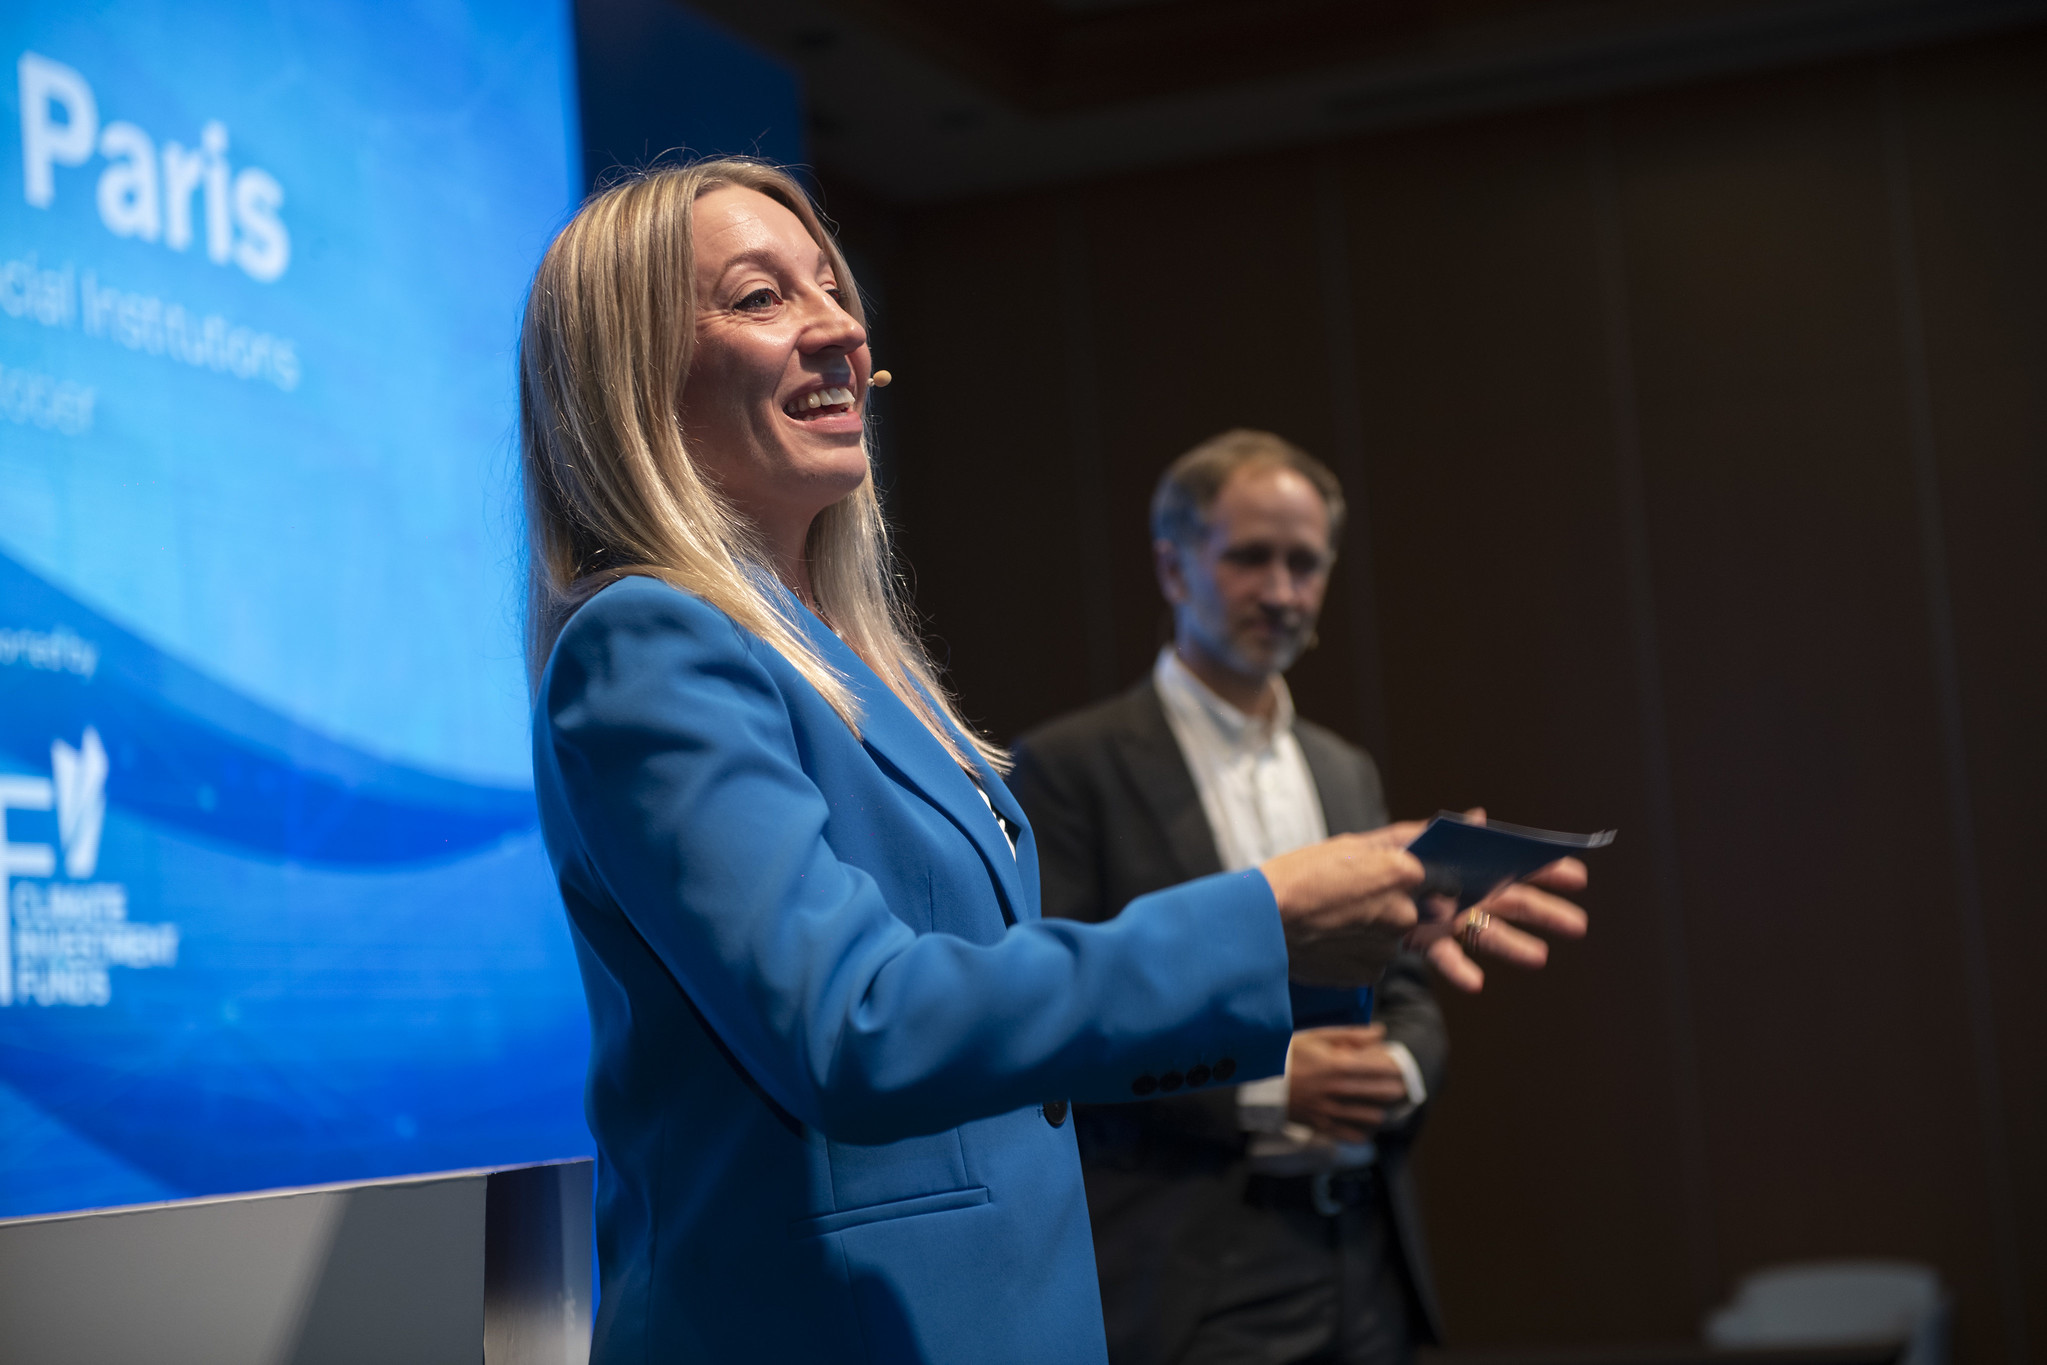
(612, 487)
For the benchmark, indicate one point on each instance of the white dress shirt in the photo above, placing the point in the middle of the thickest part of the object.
(1260, 800)
(1000, 823)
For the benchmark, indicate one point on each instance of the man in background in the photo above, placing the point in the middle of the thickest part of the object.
(1275, 1221)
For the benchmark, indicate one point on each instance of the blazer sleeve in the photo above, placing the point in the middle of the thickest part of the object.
(1058, 784)
(1405, 1004)
(678, 768)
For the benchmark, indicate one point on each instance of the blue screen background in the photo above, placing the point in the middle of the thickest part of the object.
(261, 632)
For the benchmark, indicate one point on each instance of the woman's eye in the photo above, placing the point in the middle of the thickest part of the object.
(832, 292)
(759, 299)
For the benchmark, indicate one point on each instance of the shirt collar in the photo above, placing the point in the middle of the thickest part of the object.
(1189, 696)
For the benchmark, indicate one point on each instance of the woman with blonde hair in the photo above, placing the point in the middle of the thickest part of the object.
(832, 1041)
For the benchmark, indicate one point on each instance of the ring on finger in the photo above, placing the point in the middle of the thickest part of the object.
(1475, 925)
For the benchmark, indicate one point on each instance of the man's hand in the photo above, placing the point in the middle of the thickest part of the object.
(1341, 1081)
(1525, 903)
(1344, 904)
(1490, 926)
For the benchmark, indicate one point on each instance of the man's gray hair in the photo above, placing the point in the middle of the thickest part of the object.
(1191, 484)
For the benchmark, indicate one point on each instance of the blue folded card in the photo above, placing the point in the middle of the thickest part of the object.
(1471, 861)
(1460, 859)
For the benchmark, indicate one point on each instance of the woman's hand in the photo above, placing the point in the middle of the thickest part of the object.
(1344, 904)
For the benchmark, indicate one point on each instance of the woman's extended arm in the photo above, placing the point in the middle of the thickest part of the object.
(668, 744)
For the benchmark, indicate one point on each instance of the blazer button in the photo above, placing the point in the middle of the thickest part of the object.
(1225, 1068)
(1144, 1084)
(1198, 1075)
(1172, 1080)
(1054, 1112)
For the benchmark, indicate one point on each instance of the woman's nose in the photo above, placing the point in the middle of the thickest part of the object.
(832, 328)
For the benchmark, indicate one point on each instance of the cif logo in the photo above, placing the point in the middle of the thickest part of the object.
(77, 787)
(79, 791)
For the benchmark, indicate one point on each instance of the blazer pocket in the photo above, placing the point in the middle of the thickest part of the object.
(896, 1208)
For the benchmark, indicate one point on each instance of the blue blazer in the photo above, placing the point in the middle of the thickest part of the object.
(832, 1040)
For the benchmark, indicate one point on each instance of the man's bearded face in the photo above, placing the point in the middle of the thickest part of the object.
(1251, 588)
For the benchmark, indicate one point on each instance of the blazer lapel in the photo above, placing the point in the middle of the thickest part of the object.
(1159, 771)
(901, 744)
(1347, 806)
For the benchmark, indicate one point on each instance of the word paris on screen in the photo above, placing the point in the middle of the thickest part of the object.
(273, 906)
(133, 199)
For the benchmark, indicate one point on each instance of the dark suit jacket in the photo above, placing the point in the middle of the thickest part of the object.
(1117, 815)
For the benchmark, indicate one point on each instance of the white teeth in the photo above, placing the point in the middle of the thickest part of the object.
(822, 398)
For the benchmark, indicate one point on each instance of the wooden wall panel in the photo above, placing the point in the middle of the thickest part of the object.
(1817, 859)
(1976, 148)
(1497, 525)
(980, 476)
(1702, 445)
(1207, 314)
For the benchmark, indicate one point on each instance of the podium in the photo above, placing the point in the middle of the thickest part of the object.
(461, 1266)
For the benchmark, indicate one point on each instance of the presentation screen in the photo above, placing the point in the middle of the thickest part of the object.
(276, 909)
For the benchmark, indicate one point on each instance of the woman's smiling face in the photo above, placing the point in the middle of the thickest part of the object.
(773, 406)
